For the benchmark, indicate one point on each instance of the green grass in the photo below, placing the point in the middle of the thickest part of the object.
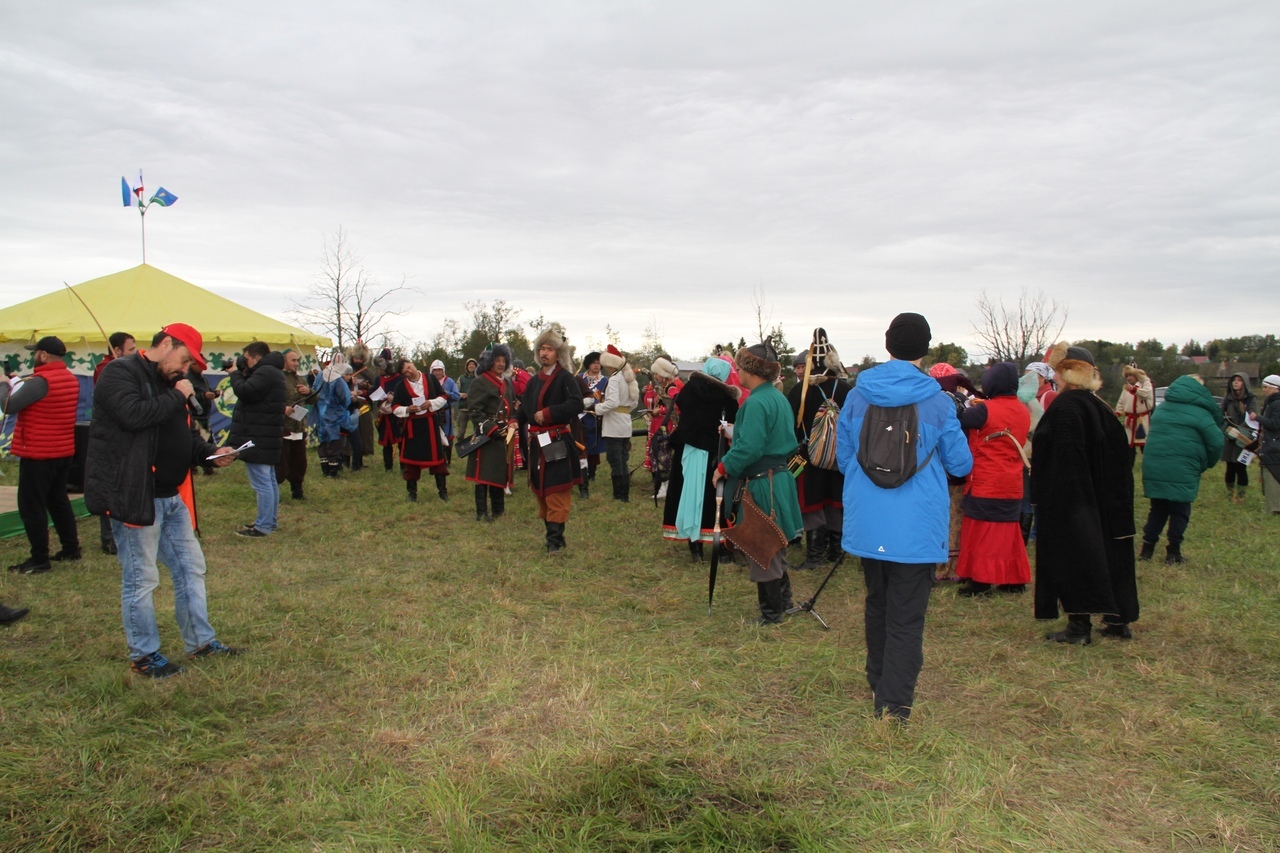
(421, 682)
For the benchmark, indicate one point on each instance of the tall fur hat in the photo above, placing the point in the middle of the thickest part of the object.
(615, 360)
(564, 354)
(1073, 367)
(358, 352)
(485, 363)
(759, 360)
(1134, 370)
(664, 369)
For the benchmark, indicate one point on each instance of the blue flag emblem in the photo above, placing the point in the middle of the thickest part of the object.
(164, 198)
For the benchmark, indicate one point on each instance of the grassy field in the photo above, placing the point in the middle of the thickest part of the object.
(418, 681)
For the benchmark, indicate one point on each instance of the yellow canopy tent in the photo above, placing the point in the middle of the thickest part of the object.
(140, 301)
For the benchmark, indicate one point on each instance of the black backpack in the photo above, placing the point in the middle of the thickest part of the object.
(887, 445)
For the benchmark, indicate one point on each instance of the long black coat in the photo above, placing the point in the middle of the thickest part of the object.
(491, 398)
(818, 488)
(1082, 487)
(559, 397)
(701, 403)
(260, 400)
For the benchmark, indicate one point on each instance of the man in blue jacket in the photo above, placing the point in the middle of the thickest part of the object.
(899, 533)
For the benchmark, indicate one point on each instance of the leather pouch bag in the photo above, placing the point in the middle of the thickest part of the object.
(754, 533)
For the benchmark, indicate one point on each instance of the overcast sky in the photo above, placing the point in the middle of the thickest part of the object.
(654, 163)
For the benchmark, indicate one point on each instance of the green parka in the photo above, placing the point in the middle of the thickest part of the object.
(1185, 441)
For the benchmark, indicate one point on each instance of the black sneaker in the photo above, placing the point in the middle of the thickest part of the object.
(251, 532)
(213, 648)
(31, 566)
(65, 556)
(155, 665)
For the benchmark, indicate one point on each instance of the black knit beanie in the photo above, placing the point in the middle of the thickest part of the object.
(908, 337)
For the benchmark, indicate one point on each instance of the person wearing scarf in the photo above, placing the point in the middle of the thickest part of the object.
(332, 399)
(689, 513)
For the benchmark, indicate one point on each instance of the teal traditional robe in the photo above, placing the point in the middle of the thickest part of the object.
(763, 433)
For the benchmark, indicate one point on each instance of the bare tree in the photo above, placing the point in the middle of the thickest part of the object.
(763, 312)
(1020, 333)
(344, 301)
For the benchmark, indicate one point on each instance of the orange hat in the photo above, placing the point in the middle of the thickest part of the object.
(191, 339)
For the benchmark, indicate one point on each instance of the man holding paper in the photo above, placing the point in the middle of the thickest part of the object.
(142, 446)
(417, 400)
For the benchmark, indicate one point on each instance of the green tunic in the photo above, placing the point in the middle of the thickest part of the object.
(765, 428)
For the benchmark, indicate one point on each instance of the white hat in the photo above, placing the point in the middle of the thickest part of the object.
(437, 365)
(1273, 380)
(1039, 367)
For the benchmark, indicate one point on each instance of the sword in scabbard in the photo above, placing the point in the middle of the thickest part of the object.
(715, 529)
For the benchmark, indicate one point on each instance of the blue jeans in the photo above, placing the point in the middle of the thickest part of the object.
(171, 539)
(263, 480)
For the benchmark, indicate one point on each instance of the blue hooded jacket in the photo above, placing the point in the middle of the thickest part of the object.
(907, 524)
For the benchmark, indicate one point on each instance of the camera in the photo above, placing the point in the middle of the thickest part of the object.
(226, 365)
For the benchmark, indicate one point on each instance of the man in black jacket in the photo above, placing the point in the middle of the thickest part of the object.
(142, 445)
(261, 396)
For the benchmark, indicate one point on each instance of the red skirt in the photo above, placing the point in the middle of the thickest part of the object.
(993, 552)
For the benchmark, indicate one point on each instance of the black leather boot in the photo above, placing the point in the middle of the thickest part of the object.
(975, 589)
(1148, 550)
(296, 492)
(622, 488)
(553, 540)
(388, 457)
(835, 549)
(482, 509)
(815, 549)
(559, 525)
(498, 499)
(770, 595)
(411, 488)
(785, 586)
(1172, 554)
(1026, 522)
(1079, 631)
(442, 486)
(695, 551)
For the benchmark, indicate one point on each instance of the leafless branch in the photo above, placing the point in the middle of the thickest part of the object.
(1018, 333)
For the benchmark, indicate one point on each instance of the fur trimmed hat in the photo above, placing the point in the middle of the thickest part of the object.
(759, 360)
(489, 356)
(358, 352)
(615, 360)
(564, 354)
(664, 369)
(1134, 370)
(1073, 367)
(610, 358)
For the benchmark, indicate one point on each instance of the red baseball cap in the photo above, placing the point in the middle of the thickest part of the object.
(191, 339)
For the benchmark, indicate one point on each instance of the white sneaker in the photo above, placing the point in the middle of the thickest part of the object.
(662, 491)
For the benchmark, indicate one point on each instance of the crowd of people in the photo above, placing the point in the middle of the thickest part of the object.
(923, 476)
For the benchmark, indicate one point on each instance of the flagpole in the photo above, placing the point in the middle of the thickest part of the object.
(142, 218)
